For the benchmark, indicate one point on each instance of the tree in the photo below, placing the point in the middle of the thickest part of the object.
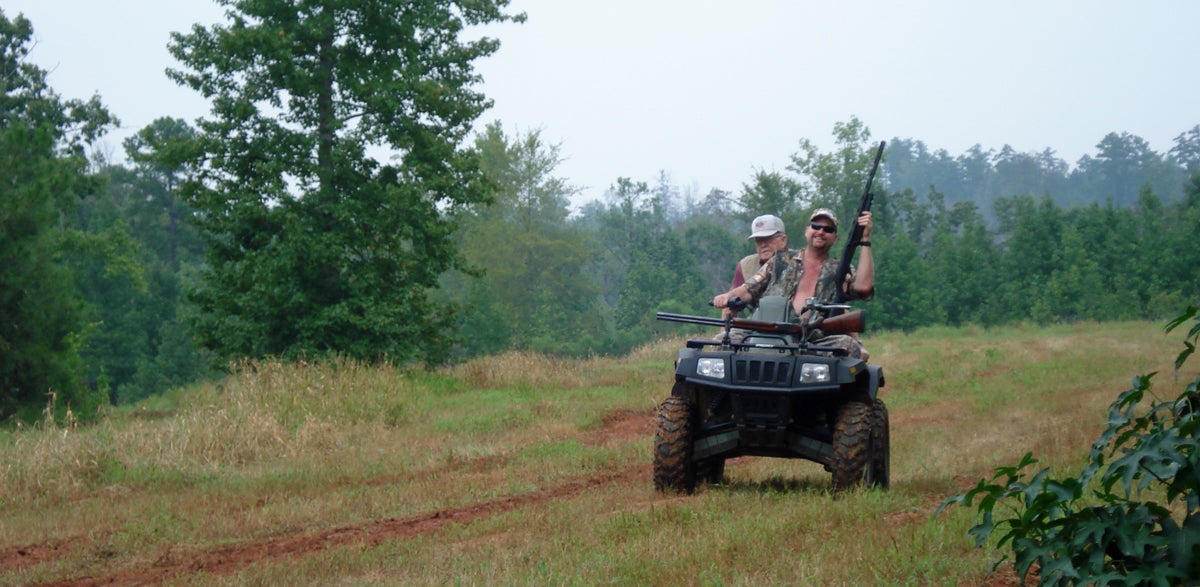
(161, 217)
(533, 292)
(963, 249)
(717, 250)
(1075, 290)
(1115, 249)
(1029, 173)
(137, 249)
(1186, 152)
(637, 248)
(771, 192)
(1124, 163)
(836, 180)
(1031, 229)
(1180, 238)
(42, 172)
(910, 300)
(978, 177)
(616, 226)
(326, 180)
(910, 166)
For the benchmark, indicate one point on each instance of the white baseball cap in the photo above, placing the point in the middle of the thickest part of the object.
(766, 225)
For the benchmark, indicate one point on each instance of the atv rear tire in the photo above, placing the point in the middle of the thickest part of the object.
(881, 450)
(673, 466)
(852, 455)
(711, 471)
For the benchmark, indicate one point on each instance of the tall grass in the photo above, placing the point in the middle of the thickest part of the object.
(290, 450)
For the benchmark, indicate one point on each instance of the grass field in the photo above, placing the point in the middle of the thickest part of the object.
(524, 470)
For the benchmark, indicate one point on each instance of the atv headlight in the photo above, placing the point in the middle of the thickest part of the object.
(711, 367)
(814, 373)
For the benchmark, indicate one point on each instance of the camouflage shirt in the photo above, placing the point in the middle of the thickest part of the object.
(763, 284)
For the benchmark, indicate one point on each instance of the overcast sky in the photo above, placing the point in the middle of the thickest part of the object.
(710, 91)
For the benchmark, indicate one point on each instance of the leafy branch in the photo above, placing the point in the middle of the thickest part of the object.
(1094, 528)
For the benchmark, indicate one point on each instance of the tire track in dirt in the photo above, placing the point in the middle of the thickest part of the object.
(229, 559)
(31, 554)
(622, 425)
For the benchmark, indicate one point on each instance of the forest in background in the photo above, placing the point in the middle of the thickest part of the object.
(112, 285)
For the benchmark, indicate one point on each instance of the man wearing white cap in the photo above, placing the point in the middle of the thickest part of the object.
(811, 273)
(769, 236)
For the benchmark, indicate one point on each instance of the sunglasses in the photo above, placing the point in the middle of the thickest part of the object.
(823, 228)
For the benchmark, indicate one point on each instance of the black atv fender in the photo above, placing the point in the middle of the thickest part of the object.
(871, 379)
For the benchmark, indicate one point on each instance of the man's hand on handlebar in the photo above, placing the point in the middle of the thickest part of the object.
(731, 304)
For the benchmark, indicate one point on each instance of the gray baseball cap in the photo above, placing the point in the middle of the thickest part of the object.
(766, 225)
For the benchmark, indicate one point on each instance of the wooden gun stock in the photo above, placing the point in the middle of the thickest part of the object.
(849, 322)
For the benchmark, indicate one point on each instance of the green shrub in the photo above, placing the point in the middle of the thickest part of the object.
(1103, 526)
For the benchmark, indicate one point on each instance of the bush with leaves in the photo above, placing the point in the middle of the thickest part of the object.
(1094, 529)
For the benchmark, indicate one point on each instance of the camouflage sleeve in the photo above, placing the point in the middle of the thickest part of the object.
(757, 284)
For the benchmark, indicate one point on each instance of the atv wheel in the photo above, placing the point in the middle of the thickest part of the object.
(881, 450)
(851, 446)
(673, 466)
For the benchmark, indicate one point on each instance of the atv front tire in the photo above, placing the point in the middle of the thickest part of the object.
(851, 446)
(673, 466)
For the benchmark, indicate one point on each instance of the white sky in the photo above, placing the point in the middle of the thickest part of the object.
(709, 91)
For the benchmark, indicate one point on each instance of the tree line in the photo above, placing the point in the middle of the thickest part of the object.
(1122, 164)
(273, 228)
(646, 248)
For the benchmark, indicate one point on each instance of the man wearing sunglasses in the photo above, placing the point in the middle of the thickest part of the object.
(811, 272)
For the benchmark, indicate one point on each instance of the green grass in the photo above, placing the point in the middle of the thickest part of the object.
(541, 471)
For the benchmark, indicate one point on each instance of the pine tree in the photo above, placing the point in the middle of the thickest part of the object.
(325, 179)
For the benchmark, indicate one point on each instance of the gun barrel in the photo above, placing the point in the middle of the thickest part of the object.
(761, 326)
(743, 323)
(688, 319)
(855, 321)
(856, 231)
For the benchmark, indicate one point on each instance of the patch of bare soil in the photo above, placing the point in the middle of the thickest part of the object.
(622, 425)
(229, 559)
(31, 554)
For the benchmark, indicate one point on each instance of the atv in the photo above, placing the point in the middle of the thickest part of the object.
(765, 390)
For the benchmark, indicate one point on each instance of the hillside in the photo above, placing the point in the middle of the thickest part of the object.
(517, 469)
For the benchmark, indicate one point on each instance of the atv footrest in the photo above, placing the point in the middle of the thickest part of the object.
(723, 442)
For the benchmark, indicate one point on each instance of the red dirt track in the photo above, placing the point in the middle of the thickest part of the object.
(229, 559)
(616, 427)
